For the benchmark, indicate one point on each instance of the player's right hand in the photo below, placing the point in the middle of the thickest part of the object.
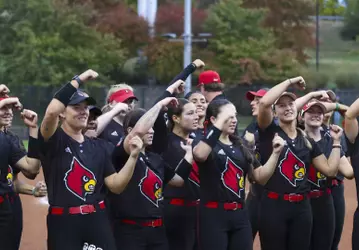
(168, 101)
(120, 108)
(136, 145)
(13, 101)
(278, 144)
(4, 90)
(199, 63)
(177, 87)
(40, 189)
(249, 137)
(88, 75)
(298, 82)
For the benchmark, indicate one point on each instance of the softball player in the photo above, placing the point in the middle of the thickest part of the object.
(224, 163)
(351, 132)
(320, 194)
(77, 171)
(285, 219)
(11, 156)
(180, 203)
(201, 106)
(250, 134)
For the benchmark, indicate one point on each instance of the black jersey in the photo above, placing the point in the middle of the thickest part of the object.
(10, 154)
(173, 156)
(75, 172)
(223, 174)
(112, 133)
(291, 173)
(142, 197)
(353, 153)
(317, 180)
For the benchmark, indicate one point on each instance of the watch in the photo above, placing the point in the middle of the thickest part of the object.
(77, 79)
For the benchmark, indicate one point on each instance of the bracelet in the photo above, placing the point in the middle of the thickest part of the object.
(337, 146)
(33, 191)
(336, 106)
(78, 80)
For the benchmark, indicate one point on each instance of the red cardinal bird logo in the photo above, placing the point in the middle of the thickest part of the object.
(194, 175)
(292, 168)
(151, 187)
(315, 177)
(233, 177)
(79, 180)
(10, 176)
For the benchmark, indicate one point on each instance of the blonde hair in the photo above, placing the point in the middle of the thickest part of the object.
(114, 88)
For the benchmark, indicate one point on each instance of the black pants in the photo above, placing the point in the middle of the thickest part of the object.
(284, 225)
(323, 222)
(17, 211)
(339, 208)
(224, 230)
(73, 232)
(355, 238)
(253, 203)
(181, 226)
(7, 222)
(136, 237)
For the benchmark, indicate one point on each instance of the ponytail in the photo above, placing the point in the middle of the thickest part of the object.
(306, 140)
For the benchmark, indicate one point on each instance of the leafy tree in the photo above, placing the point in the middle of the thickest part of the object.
(244, 50)
(44, 45)
(290, 22)
(331, 8)
(350, 30)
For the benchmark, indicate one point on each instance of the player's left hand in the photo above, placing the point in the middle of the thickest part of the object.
(29, 117)
(249, 137)
(336, 132)
(177, 87)
(40, 189)
(278, 144)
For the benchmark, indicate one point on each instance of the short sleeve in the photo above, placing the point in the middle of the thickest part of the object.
(16, 154)
(52, 145)
(316, 151)
(119, 156)
(108, 168)
(168, 174)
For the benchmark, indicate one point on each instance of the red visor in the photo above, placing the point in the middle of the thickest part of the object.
(251, 94)
(122, 95)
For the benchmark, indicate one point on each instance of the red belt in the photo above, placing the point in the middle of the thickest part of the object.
(182, 202)
(226, 206)
(335, 182)
(318, 193)
(148, 223)
(286, 197)
(83, 209)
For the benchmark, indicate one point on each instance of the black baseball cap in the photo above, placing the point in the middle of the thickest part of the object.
(95, 110)
(80, 96)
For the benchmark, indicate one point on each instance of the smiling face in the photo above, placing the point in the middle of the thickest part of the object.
(188, 120)
(201, 105)
(230, 126)
(313, 117)
(6, 116)
(76, 115)
(285, 109)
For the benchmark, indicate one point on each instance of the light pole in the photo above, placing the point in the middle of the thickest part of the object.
(187, 36)
(317, 35)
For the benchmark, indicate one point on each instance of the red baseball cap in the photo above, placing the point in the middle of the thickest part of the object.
(251, 94)
(122, 95)
(307, 106)
(208, 77)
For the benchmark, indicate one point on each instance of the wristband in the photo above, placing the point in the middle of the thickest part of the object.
(78, 80)
(212, 136)
(65, 93)
(336, 106)
(183, 169)
(33, 150)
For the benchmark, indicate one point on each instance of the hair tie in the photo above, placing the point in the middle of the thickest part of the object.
(205, 124)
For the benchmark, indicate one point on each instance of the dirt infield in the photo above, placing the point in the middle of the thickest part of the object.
(35, 209)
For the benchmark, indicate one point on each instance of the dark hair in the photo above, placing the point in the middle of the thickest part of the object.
(213, 109)
(189, 94)
(132, 118)
(175, 110)
(213, 87)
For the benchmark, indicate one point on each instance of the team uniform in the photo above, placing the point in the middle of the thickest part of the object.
(223, 219)
(353, 153)
(138, 210)
(74, 174)
(256, 190)
(112, 133)
(10, 154)
(13, 196)
(322, 201)
(285, 218)
(181, 203)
